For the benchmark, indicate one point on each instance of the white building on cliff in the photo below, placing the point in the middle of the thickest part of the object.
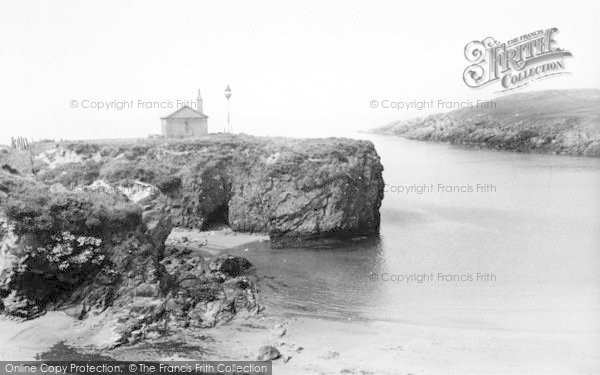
(186, 121)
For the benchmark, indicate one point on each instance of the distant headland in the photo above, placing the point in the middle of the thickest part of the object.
(563, 122)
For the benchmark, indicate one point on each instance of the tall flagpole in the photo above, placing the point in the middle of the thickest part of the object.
(228, 95)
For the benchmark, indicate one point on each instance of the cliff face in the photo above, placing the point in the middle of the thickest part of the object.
(96, 252)
(60, 245)
(87, 232)
(294, 190)
(557, 121)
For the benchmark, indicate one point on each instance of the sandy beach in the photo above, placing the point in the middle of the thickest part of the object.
(311, 345)
(25, 340)
(333, 347)
(211, 242)
(316, 346)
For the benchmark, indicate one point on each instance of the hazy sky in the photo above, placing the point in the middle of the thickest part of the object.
(302, 68)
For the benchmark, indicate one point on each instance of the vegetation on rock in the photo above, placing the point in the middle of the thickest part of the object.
(556, 121)
(293, 189)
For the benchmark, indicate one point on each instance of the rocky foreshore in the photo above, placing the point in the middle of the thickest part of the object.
(83, 225)
(563, 122)
(95, 252)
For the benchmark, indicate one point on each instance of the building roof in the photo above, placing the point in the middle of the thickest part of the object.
(185, 112)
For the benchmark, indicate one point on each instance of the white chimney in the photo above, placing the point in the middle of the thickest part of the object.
(199, 103)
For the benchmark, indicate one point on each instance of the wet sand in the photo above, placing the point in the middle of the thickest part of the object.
(313, 345)
(24, 340)
(211, 242)
(321, 346)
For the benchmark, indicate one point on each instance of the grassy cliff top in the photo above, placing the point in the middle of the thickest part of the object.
(237, 149)
(555, 121)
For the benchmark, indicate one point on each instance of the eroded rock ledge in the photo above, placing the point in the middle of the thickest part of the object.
(294, 190)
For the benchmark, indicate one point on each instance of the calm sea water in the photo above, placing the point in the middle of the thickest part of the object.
(535, 234)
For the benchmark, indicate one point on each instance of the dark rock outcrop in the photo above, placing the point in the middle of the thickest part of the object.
(294, 190)
(94, 252)
(565, 122)
(59, 244)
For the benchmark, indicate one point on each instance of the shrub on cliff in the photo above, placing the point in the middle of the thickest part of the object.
(120, 170)
(36, 211)
(154, 172)
(83, 148)
(71, 175)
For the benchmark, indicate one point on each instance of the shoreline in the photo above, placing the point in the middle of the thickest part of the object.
(321, 346)
(485, 147)
(308, 344)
